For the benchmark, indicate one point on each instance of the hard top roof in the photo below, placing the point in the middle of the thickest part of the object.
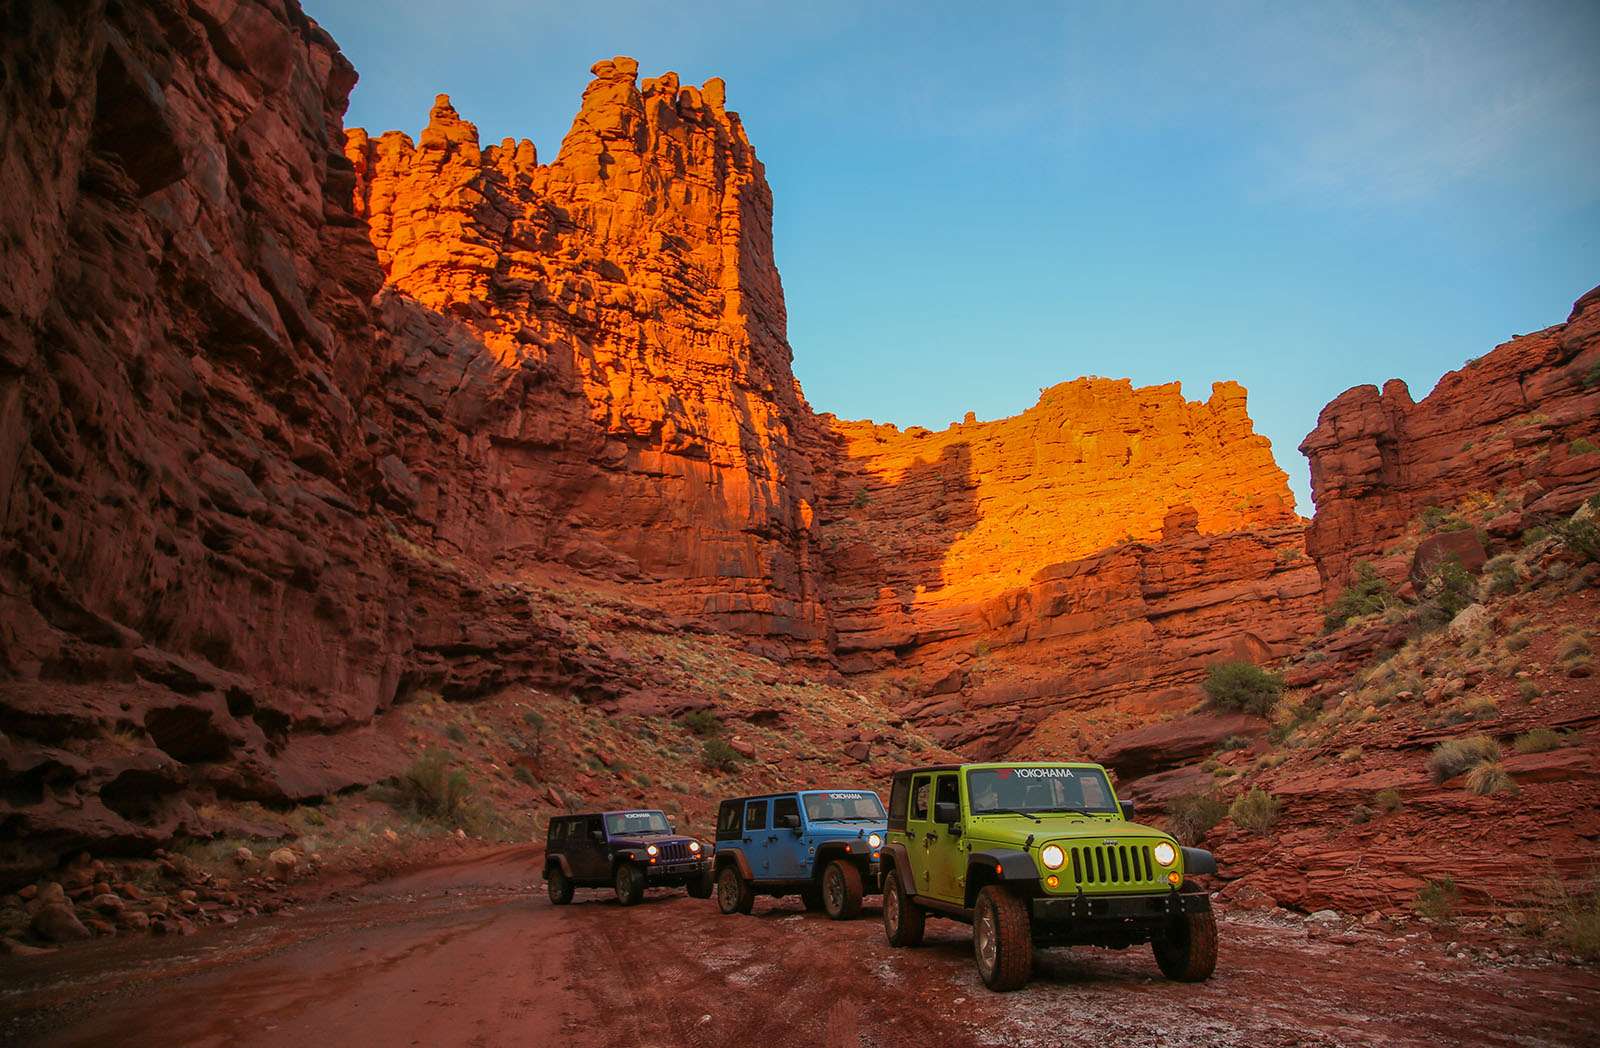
(800, 793)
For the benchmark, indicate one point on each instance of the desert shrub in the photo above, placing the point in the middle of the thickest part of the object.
(433, 787)
(702, 722)
(1489, 779)
(1368, 594)
(1387, 800)
(1581, 537)
(1528, 689)
(1350, 755)
(1447, 590)
(1360, 814)
(1576, 916)
(1439, 899)
(1480, 708)
(1191, 817)
(455, 733)
(1501, 575)
(717, 755)
(1233, 742)
(1454, 756)
(1256, 811)
(1574, 645)
(1242, 686)
(1518, 641)
(1539, 740)
(862, 499)
(1583, 446)
(1592, 376)
(523, 775)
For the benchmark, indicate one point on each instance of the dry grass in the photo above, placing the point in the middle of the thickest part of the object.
(1256, 810)
(1388, 800)
(1539, 740)
(1451, 758)
(1490, 779)
(1191, 817)
(1439, 900)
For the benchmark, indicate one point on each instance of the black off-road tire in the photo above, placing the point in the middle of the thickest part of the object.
(812, 898)
(629, 883)
(702, 886)
(1002, 939)
(903, 920)
(842, 890)
(1188, 952)
(734, 893)
(558, 886)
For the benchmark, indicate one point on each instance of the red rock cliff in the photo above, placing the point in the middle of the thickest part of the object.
(1512, 424)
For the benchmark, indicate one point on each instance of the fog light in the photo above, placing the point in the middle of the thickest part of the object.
(1052, 881)
(1174, 878)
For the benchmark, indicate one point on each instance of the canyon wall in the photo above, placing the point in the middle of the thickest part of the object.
(297, 423)
(1517, 425)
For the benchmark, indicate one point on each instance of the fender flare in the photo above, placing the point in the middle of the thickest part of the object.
(734, 857)
(826, 853)
(894, 857)
(557, 861)
(998, 866)
(1198, 860)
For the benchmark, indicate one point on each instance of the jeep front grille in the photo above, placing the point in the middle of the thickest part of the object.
(675, 851)
(1107, 864)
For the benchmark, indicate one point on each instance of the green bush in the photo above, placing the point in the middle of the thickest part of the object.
(1387, 800)
(1191, 817)
(1368, 594)
(1439, 900)
(1446, 591)
(1539, 740)
(1233, 742)
(1574, 645)
(717, 755)
(1581, 537)
(702, 722)
(523, 775)
(1502, 575)
(1592, 376)
(434, 788)
(1256, 811)
(1455, 756)
(455, 733)
(1577, 920)
(1242, 686)
(1583, 446)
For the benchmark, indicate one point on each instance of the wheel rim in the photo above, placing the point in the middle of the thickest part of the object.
(986, 939)
(727, 891)
(891, 909)
(835, 889)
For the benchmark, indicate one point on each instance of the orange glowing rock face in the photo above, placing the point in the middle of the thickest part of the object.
(645, 424)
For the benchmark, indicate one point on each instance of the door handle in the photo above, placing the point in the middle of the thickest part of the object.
(771, 839)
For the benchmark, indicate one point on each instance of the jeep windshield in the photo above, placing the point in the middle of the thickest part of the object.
(1024, 790)
(626, 822)
(844, 806)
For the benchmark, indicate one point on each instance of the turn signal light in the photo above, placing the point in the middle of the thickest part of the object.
(1052, 881)
(1174, 878)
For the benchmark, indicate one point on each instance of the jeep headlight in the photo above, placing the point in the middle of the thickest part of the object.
(1052, 856)
(694, 846)
(1166, 854)
(651, 850)
(875, 841)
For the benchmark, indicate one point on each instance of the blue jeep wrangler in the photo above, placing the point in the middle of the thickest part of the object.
(821, 845)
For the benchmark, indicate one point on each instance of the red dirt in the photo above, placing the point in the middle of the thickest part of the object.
(470, 953)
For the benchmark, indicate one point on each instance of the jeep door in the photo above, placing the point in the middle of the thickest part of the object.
(947, 865)
(920, 835)
(758, 839)
(788, 847)
(591, 858)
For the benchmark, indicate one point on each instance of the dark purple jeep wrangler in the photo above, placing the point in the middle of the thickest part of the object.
(628, 850)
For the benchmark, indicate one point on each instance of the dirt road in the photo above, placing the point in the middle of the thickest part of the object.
(472, 954)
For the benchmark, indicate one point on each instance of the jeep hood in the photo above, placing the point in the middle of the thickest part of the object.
(1014, 830)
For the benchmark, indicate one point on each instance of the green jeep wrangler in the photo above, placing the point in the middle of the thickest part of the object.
(1034, 855)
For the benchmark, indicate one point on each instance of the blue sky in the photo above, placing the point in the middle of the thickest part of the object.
(975, 201)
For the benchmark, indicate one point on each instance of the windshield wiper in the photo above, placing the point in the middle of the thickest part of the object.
(1074, 811)
(1011, 811)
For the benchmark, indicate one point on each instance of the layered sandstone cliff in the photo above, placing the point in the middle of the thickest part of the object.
(1517, 425)
(297, 423)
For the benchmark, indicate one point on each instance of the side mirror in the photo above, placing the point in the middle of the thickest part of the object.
(598, 835)
(947, 813)
(1127, 810)
(790, 821)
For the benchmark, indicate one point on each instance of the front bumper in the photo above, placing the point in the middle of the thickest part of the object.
(1078, 911)
(680, 872)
